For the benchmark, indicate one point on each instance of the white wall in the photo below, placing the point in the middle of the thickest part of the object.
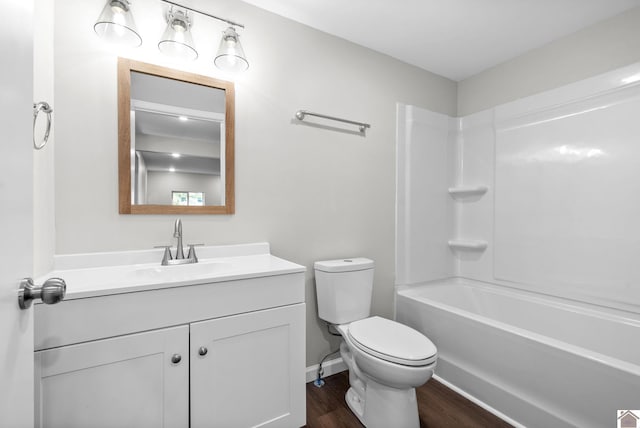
(160, 185)
(43, 160)
(312, 193)
(605, 46)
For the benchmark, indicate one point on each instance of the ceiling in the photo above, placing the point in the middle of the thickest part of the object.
(453, 38)
(177, 127)
(164, 162)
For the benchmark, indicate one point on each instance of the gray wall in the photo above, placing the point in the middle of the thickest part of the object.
(605, 46)
(312, 193)
(160, 186)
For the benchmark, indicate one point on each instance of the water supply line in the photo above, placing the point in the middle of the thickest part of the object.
(319, 382)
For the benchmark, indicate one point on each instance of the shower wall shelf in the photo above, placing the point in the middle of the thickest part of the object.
(474, 192)
(468, 244)
(463, 191)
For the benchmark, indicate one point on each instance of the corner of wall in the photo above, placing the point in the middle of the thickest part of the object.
(604, 46)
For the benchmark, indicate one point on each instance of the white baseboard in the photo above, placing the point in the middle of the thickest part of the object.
(330, 367)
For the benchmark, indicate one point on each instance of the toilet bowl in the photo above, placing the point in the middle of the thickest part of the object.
(390, 352)
(386, 360)
(383, 378)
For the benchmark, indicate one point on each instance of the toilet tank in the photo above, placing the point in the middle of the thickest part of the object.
(344, 288)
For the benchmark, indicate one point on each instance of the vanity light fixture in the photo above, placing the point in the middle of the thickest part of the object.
(230, 56)
(177, 40)
(116, 25)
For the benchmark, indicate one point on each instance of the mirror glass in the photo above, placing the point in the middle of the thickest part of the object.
(176, 141)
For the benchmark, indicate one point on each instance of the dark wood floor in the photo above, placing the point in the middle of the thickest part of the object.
(439, 407)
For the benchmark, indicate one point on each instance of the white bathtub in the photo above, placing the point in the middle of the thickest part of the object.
(539, 361)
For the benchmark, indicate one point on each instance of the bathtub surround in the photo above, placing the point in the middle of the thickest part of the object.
(539, 193)
(313, 194)
(426, 153)
(554, 215)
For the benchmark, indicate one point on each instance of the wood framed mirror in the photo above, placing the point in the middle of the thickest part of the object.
(175, 141)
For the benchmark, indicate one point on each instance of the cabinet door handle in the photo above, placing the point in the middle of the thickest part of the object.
(176, 358)
(202, 351)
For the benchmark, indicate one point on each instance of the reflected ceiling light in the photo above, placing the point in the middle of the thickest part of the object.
(230, 56)
(176, 40)
(116, 25)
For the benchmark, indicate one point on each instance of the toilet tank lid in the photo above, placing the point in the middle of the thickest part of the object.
(344, 265)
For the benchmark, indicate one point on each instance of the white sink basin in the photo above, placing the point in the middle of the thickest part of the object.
(204, 268)
(99, 274)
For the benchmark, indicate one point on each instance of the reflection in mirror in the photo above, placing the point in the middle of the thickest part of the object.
(176, 141)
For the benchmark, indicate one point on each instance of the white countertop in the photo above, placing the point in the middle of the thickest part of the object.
(100, 274)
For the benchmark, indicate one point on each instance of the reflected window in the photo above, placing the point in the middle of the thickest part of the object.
(195, 199)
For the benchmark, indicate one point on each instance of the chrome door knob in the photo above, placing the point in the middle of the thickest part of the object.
(176, 358)
(202, 351)
(51, 292)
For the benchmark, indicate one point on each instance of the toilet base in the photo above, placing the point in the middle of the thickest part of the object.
(377, 405)
(384, 407)
(388, 398)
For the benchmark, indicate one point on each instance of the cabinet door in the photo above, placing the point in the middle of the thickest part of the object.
(253, 371)
(127, 381)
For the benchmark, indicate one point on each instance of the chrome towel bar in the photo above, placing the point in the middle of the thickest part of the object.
(300, 115)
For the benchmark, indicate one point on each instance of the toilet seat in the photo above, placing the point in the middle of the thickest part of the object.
(392, 341)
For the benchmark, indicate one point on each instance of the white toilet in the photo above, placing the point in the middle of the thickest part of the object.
(386, 360)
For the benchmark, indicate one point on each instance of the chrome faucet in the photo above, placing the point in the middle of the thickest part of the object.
(177, 233)
(179, 259)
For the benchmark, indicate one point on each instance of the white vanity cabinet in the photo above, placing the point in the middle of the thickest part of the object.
(245, 370)
(127, 381)
(225, 353)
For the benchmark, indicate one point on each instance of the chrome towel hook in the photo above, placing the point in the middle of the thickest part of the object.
(37, 108)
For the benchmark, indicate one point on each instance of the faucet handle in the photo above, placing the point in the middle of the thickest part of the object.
(167, 254)
(192, 251)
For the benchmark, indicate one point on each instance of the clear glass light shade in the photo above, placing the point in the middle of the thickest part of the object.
(177, 40)
(116, 25)
(230, 56)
